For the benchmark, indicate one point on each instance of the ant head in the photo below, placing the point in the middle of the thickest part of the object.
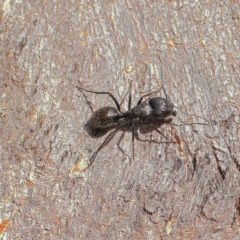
(161, 108)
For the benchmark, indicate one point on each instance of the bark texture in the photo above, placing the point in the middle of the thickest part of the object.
(186, 189)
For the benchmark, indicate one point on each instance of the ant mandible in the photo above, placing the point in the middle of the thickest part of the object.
(155, 109)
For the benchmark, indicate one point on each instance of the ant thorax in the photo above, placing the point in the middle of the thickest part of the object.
(140, 111)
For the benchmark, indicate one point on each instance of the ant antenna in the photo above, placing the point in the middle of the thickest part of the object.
(193, 115)
(147, 95)
(165, 92)
(162, 78)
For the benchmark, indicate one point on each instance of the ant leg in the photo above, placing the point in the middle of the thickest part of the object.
(165, 92)
(108, 93)
(130, 96)
(139, 101)
(88, 102)
(105, 142)
(120, 148)
(133, 152)
(150, 124)
(162, 78)
(141, 140)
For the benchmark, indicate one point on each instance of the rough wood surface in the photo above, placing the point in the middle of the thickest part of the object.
(184, 190)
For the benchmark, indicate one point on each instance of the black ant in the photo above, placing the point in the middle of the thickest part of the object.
(153, 112)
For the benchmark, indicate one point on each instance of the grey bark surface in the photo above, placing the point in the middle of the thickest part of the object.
(189, 189)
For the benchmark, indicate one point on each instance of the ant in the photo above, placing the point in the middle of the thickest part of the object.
(154, 112)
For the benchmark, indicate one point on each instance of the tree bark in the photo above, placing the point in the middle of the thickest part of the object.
(184, 188)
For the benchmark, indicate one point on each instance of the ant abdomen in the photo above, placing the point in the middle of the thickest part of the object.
(104, 117)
